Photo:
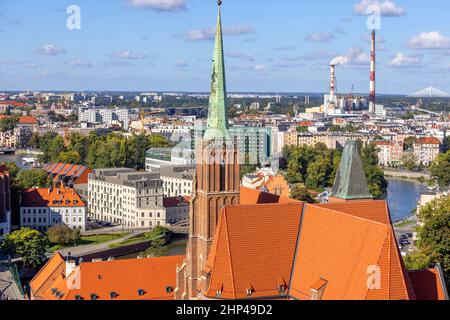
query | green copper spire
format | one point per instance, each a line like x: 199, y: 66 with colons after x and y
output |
x: 351, y: 182
x: 217, y: 126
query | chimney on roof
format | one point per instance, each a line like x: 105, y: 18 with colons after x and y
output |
x: 71, y: 265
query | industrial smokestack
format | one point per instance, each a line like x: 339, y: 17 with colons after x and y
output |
x: 332, y: 82
x: 372, y: 98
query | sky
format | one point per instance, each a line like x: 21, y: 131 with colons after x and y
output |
x: 270, y: 45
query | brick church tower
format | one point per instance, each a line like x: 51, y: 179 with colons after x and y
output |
x: 217, y: 180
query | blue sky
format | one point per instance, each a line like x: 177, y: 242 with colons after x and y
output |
x: 271, y: 45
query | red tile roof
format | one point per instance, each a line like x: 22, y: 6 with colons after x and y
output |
x: 46, y: 197
x: 428, y: 140
x: 155, y: 277
x: 24, y: 119
x: 341, y: 248
x: 428, y: 284
x: 253, y: 249
x: 173, y: 202
x: 46, y: 277
x: 252, y: 196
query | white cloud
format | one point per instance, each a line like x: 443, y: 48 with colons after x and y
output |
x: 388, y: 8
x: 241, y: 56
x: 402, y: 60
x: 355, y: 56
x: 321, y: 37
x: 209, y: 34
x: 81, y: 64
x: 285, y: 48
x: 429, y: 40
x: 256, y: 67
x: 181, y: 64
x: 158, y: 5
x: 128, y: 55
x: 50, y: 50
x: 368, y: 38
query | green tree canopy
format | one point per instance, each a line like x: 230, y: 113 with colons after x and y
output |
x: 434, y: 235
x: 27, y: 243
x: 300, y: 193
x: 8, y: 123
x: 440, y: 169
x: 63, y: 235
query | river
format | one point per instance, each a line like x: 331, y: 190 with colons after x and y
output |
x: 403, y: 196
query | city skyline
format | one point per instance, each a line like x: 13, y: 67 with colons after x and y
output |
x: 166, y: 46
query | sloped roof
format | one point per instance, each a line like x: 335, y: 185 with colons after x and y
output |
x: 253, y: 249
x: 351, y: 182
x: 428, y: 284
x: 124, y: 277
x: 49, y: 273
x: 341, y: 248
x: 57, y: 197
x: 250, y: 196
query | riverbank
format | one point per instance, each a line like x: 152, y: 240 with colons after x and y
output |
x: 407, y: 175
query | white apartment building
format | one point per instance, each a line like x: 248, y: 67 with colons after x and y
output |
x: 126, y: 197
x: 427, y: 150
x: 104, y: 116
x: 177, y: 180
x: 43, y: 208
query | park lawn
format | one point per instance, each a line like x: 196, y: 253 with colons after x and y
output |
x: 155, y: 234
x: 92, y: 240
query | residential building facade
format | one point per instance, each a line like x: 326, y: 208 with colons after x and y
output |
x: 42, y: 208
x: 5, y: 202
x: 127, y: 197
x: 427, y: 150
x: 177, y: 180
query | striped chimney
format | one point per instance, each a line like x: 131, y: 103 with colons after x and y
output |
x: 332, y: 81
x: 372, y: 99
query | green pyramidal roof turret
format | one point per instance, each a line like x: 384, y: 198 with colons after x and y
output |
x: 217, y: 127
x: 351, y: 182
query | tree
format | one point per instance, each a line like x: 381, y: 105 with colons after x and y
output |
x: 375, y: 176
x: 158, y: 248
x: 302, y: 129
x: 300, y: 193
x: 409, y: 160
x: 446, y: 145
x: 27, y: 243
x: 72, y: 157
x: 434, y: 232
x: 27, y: 179
x: 409, y: 143
x: 8, y: 123
x: 63, y: 235
x: 440, y: 169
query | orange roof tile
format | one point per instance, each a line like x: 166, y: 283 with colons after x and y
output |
x: 428, y: 140
x: 45, y: 278
x: 252, y: 196
x: 341, y: 248
x: 253, y: 249
x: 428, y: 284
x: 57, y: 197
x: 124, y: 277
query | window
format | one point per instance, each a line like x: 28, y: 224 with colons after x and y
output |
x: 223, y: 166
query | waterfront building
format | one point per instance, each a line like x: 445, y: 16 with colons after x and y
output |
x: 389, y: 153
x: 427, y: 150
x: 42, y: 208
x: 5, y: 202
x: 177, y: 209
x: 127, y: 197
x: 177, y: 180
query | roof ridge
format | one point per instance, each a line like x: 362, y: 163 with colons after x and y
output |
x: 349, y: 214
x: 57, y: 253
x: 379, y: 258
x: 229, y: 252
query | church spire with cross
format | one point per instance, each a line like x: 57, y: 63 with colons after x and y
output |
x: 217, y: 126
